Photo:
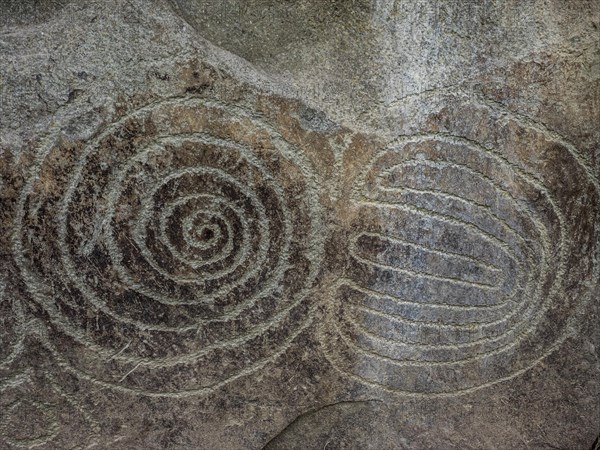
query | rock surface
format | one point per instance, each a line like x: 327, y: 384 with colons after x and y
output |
x: 304, y: 224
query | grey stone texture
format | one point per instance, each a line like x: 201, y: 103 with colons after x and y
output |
x: 299, y: 224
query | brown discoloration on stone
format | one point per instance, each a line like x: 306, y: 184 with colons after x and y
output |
x: 159, y: 170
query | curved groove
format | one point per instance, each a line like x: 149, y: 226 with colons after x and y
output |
x: 399, y: 342
x: 311, y: 244
x: 401, y: 241
x: 416, y: 273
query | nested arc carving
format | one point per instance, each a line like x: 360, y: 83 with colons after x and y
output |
x: 459, y: 259
x: 175, y: 250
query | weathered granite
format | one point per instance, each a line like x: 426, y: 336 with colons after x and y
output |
x: 307, y: 224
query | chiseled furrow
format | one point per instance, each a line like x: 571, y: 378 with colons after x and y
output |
x: 207, y: 234
x: 173, y: 235
x: 141, y: 236
x: 381, y: 338
x: 455, y: 260
x: 423, y: 260
x: 429, y: 324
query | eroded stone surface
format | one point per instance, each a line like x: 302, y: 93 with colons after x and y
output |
x: 201, y: 251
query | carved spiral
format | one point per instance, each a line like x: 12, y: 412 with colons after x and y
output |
x: 176, y: 248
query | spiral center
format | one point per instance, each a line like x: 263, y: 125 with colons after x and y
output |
x: 206, y: 234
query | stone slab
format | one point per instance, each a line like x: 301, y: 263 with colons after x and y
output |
x: 299, y: 224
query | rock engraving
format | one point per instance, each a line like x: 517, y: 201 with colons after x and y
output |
x: 461, y: 257
x: 184, y: 239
